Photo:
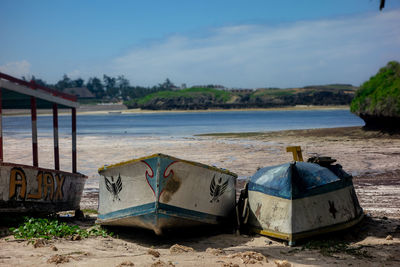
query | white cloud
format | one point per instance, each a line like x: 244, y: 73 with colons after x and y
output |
x: 16, y: 68
x: 345, y: 50
x: 74, y: 74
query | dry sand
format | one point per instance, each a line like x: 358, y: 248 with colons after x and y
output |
x: 372, y: 157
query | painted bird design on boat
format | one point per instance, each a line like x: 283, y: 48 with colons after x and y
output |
x: 114, y: 187
x: 217, y: 188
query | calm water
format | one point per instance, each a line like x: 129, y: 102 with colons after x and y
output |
x: 184, y: 124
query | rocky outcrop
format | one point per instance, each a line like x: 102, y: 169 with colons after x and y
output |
x: 377, y: 101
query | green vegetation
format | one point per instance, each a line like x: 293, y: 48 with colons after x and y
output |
x: 217, y: 95
x: 167, y: 96
x: 206, y: 97
x: 90, y: 211
x: 332, y: 87
x: 273, y: 92
x: 50, y: 228
x: 380, y: 96
x: 106, y: 89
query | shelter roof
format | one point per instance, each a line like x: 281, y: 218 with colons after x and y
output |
x: 16, y: 94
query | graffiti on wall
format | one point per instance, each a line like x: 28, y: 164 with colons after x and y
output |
x: 48, y: 186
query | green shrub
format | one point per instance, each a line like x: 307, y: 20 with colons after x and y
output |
x: 50, y: 228
x: 380, y: 95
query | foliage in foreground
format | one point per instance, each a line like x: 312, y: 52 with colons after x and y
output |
x: 50, y: 228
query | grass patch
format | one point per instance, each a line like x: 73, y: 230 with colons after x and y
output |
x: 330, y: 247
x: 89, y: 211
x: 218, y: 95
x: 273, y: 92
x: 52, y: 228
x: 233, y: 135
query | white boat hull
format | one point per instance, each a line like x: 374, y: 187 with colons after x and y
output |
x: 301, y: 218
x: 160, y: 192
x: 297, y: 200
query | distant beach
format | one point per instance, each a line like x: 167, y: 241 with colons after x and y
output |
x: 104, y: 109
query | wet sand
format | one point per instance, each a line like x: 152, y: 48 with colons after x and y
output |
x: 372, y: 157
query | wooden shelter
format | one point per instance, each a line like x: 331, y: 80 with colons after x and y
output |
x: 26, y: 188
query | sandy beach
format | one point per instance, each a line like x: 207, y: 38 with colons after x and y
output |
x: 372, y: 157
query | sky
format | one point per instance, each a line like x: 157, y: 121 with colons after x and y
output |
x: 235, y: 43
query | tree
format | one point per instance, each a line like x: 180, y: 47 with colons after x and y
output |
x: 64, y: 83
x: 96, y: 87
x: 39, y: 81
x: 78, y: 82
x: 110, y: 86
x: 124, y: 87
x: 167, y: 85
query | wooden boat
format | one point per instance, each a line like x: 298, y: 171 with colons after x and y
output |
x: 297, y: 200
x: 32, y: 189
x: 26, y: 188
x: 160, y: 192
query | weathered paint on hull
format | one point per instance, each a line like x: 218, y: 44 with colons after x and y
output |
x: 164, y: 217
x: 294, y: 219
x: 31, y: 189
x: 160, y: 192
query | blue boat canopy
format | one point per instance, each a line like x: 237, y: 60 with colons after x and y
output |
x: 297, y: 180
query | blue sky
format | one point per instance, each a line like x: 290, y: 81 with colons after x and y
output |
x: 247, y: 44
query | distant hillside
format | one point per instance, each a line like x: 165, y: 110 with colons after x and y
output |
x: 377, y: 101
x: 204, y: 98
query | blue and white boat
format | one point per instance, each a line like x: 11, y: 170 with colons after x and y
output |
x: 160, y: 192
x: 297, y: 200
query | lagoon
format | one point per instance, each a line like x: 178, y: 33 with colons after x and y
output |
x: 180, y: 124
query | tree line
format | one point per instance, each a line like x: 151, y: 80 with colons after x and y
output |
x: 106, y: 88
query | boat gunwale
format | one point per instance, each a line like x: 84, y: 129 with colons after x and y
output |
x: 78, y: 175
x: 194, y: 163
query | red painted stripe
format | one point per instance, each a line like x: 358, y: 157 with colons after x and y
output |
x: 55, y: 133
x: 148, y: 175
x: 35, y: 86
x: 171, y: 171
x: 34, y: 132
x: 74, y: 158
x: 1, y: 125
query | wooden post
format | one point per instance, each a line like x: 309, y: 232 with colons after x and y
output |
x: 55, y: 135
x: 296, y: 151
x: 1, y: 126
x: 34, y: 132
x: 73, y: 140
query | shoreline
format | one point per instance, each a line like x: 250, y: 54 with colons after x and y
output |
x: 107, y: 109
